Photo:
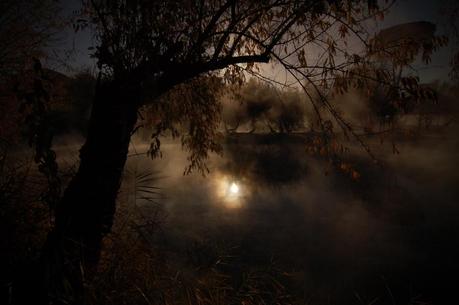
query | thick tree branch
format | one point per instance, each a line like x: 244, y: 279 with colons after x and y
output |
x: 179, y: 73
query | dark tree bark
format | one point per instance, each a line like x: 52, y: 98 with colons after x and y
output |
x: 85, y: 213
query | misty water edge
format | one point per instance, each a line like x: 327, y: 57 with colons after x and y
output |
x: 387, y: 236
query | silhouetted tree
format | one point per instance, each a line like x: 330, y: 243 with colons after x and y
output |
x: 175, y: 56
x: 27, y: 27
x: 449, y: 19
x: 261, y: 105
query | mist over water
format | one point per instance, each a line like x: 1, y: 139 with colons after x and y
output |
x: 393, y: 233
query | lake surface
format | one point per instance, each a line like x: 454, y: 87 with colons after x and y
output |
x: 389, y: 237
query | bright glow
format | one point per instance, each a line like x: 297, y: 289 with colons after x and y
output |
x: 234, y: 189
x: 230, y: 192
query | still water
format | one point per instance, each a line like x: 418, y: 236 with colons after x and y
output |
x: 390, y: 236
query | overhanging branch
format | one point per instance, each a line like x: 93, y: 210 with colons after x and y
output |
x: 180, y: 73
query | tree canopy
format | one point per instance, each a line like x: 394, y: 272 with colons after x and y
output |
x: 175, y: 58
x: 156, y: 45
x: 27, y: 27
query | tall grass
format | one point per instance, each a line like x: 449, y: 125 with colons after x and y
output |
x: 139, y: 266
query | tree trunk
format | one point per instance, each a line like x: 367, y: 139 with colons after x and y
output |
x: 87, y: 208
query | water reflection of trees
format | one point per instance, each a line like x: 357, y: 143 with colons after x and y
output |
x: 268, y: 159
